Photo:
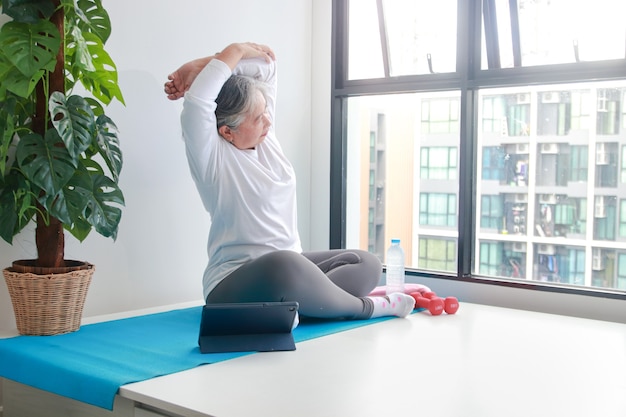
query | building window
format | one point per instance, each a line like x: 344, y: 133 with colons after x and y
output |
x: 621, y: 272
x: 438, y: 209
x: 605, y: 218
x: 606, y: 164
x: 579, y: 161
x: 438, y: 163
x: 570, y: 216
x: 491, y: 210
x: 493, y: 115
x: 609, y: 111
x: 604, y: 271
x: 491, y: 258
x: 575, y: 273
x: 554, y: 114
x: 518, y: 119
x: 437, y: 254
x: 622, y: 218
x: 581, y: 111
x: 494, y: 159
x: 623, y: 164
x: 440, y: 116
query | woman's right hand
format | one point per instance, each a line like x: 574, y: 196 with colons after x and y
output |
x: 180, y: 80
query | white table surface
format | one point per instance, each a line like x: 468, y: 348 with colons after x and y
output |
x: 484, y: 361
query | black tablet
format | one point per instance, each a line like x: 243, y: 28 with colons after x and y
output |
x: 244, y: 327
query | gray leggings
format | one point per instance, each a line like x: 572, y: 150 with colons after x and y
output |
x: 326, y: 284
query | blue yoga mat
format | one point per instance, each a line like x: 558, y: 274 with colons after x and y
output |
x: 91, y: 364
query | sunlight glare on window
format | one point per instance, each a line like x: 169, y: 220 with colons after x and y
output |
x: 562, y: 31
x: 419, y: 31
x: 420, y: 38
x: 365, y: 56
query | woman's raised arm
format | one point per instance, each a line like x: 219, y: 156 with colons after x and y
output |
x: 180, y: 80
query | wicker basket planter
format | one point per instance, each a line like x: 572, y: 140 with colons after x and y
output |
x: 47, y: 303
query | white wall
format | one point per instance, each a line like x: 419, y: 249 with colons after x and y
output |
x: 160, y: 254
x: 320, y: 128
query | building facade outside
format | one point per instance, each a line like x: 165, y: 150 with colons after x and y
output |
x: 550, y: 175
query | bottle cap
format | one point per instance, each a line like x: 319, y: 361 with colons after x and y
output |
x: 394, y: 240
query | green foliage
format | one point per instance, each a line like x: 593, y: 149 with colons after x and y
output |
x: 28, y: 11
x: 71, y: 169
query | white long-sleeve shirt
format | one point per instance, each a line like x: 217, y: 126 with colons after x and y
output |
x: 250, y: 194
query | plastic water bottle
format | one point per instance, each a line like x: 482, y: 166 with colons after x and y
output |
x: 395, y: 267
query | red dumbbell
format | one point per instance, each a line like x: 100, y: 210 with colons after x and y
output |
x: 450, y: 304
x: 434, y: 305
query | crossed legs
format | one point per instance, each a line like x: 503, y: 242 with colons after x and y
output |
x: 326, y: 284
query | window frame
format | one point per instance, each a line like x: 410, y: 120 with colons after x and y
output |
x: 469, y: 78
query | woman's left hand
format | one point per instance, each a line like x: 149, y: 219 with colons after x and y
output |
x: 235, y: 52
x: 255, y: 50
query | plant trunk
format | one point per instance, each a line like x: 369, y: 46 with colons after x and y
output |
x: 50, y: 241
x: 49, y: 236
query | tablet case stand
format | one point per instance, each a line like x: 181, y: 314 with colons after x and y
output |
x: 247, y: 327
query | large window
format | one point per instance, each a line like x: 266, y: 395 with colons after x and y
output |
x: 488, y: 135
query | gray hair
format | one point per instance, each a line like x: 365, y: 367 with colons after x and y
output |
x: 235, y: 100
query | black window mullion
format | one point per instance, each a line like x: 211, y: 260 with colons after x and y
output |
x: 550, y: 74
x: 404, y: 84
x: 467, y: 195
x: 338, y: 174
x: 339, y: 68
x: 468, y: 64
x: 492, y: 43
x: 339, y: 35
x: 384, y: 41
x: 515, y: 33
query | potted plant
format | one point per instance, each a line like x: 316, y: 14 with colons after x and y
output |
x: 60, y: 157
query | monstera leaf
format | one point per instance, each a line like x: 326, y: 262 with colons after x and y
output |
x: 44, y: 162
x: 102, y: 80
x: 102, y: 210
x: 28, y: 11
x: 89, y: 200
x: 31, y: 49
x: 17, y: 206
x: 109, y: 145
x: 74, y: 121
x: 92, y: 17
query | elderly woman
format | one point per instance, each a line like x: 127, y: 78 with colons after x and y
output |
x: 249, y: 188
